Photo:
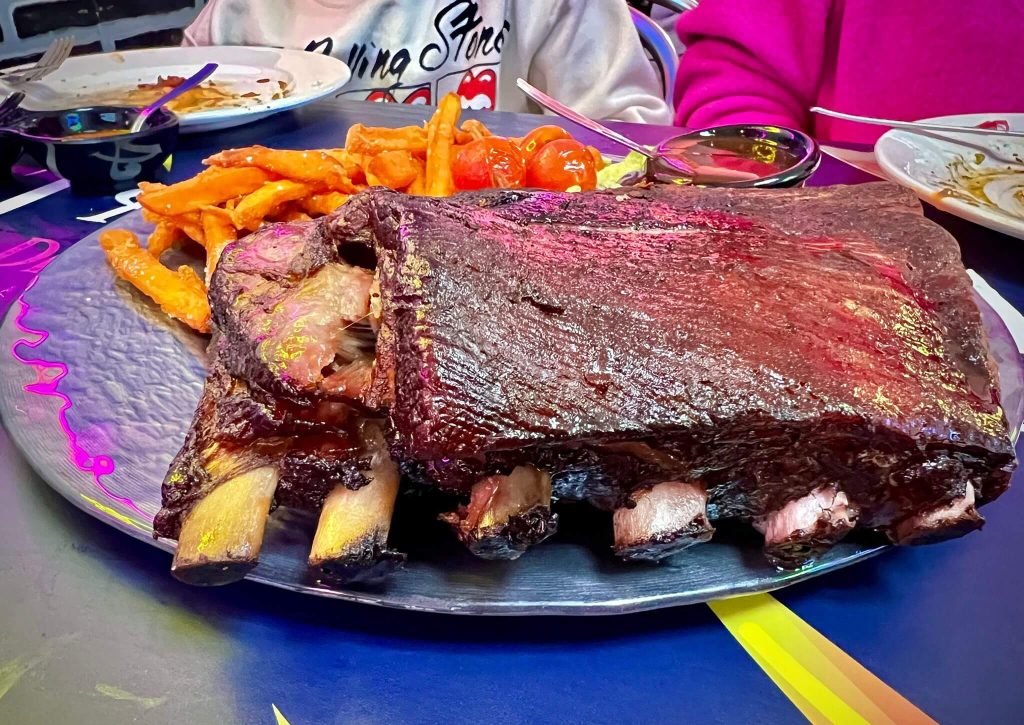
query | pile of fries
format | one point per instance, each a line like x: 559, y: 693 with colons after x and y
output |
x: 245, y: 188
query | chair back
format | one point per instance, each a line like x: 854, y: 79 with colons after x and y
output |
x: 659, y: 46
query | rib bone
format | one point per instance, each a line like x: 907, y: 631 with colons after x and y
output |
x: 946, y: 521
x: 665, y: 520
x: 506, y: 514
x: 351, y: 538
x: 220, y: 539
x: 807, y: 526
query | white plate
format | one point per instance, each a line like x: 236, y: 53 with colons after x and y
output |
x: 99, y: 79
x: 941, y: 171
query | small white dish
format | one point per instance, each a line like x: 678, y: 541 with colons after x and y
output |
x: 978, y: 178
x: 260, y: 81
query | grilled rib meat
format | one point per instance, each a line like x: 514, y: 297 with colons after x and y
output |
x: 808, y: 361
x: 294, y: 316
x: 764, y: 344
x: 238, y: 428
x: 299, y: 327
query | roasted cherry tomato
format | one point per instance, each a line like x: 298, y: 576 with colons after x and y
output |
x: 562, y: 164
x: 538, y: 137
x: 488, y: 163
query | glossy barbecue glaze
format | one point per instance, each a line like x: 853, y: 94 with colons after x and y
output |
x: 810, y: 359
x: 763, y: 343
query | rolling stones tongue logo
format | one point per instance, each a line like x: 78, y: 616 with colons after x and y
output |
x: 418, y: 96
x: 381, y: 97
x: 478, y: 90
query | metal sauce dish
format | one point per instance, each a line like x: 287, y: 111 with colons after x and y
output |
x: 94, y: 149
x: 746, y: 155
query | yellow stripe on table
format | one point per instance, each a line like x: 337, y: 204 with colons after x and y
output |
x: 825, y: 683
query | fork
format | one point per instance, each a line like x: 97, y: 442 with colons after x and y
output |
x: 918, y: 125
x: 54, y: 56
x: 58, y: 52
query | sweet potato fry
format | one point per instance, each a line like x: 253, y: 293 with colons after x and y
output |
x: 462, y: 137
x: 418, y: 187
x: 352, y: 162
x: 212, y: 186
x: 164, y: 236
x: 224, y: 212
x: 219, y: 231
x: 476, y: 130
x: 372, y: 141
x: 393, y: 169
x: 440, y: 138
x: 191, y: 224
x: 265, y: 201
x: 319, y: 169
x: 419, y: 183
x: 180, y: 293
x: 293, y: 212
x: 323, y: 204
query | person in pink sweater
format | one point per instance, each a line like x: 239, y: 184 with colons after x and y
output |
x: 769, y: 61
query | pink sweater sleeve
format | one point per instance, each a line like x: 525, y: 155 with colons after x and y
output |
x: 751, y: 61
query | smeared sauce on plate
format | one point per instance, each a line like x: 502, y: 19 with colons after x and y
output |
x: 997, y: 187
x: 208, y: 96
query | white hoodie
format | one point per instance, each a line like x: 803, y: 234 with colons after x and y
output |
x: 585, y: 53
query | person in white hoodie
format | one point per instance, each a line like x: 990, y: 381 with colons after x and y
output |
x: 585, y: 53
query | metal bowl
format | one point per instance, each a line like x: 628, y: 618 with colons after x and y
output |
x: 63, y: 141
x: 779, y: 157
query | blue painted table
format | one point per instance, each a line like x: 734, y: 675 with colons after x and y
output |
x: 94, y: 630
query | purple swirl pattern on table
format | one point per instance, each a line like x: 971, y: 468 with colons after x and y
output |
x: 49, y: 373
x: 20, y: 263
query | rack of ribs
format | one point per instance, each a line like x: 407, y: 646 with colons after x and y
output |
x: 808, y: 361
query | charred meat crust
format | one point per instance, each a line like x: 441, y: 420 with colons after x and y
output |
x: 536, y: 328
x: 544, y: 329
x: 371, y: 564
x: 238, y: 427
x: 719, y: 250
x: 662, y: 546
x: 506, y: 540
x: 315, y: 465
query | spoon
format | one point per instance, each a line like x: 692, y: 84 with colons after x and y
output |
x: 917, y: 125
x: 665, y: 167
x: 191, y: 82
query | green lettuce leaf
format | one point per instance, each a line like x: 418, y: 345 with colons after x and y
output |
x: 609, y: 176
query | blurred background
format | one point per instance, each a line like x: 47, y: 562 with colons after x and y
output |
x: 28, y: 26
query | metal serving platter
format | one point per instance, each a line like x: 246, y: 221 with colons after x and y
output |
x: 97, y: 388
